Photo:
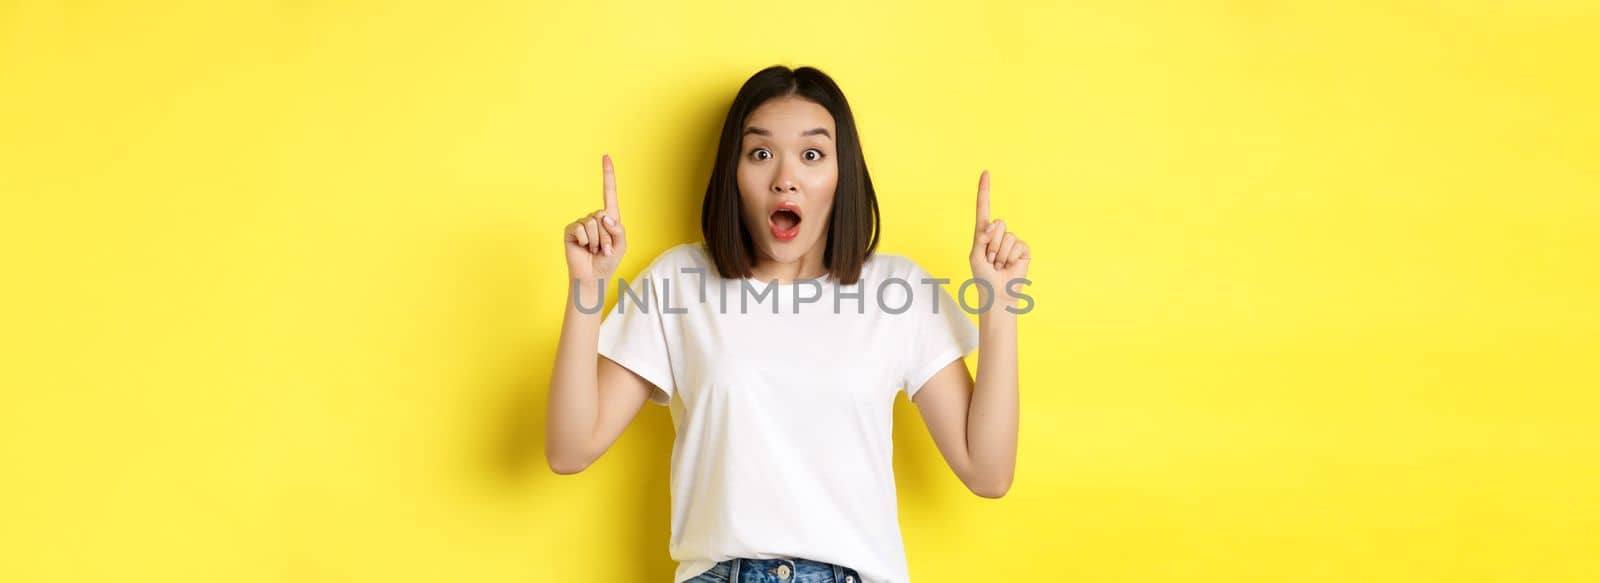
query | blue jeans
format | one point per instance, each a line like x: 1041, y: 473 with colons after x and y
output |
x: 776, y: 571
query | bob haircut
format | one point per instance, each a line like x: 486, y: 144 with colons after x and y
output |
x: 853, y: 224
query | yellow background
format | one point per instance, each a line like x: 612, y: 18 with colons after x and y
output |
x: 1316, y: 282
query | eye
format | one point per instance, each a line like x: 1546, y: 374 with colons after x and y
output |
x: 817, y: 157
x: 758, y: 152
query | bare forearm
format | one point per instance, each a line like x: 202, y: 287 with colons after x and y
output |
x: 999, y: 257
x: 574, y: 389
x: 992, y: 417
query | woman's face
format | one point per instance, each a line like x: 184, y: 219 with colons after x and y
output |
x: 787, y: 175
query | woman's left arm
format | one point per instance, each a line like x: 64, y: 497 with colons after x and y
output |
x: 974, y: 422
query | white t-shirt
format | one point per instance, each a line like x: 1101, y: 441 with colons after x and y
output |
x: 783, y: 420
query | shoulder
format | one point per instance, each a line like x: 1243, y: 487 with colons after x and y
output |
x: 677, y: 260
x: 683, y: 255
x: 882, y: 266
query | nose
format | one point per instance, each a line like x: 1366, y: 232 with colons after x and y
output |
x: 783, y: 181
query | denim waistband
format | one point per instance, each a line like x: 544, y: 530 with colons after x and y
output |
x: 742, y: 570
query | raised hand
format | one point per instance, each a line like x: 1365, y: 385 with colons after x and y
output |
x: 595, y: 242
x: 998, y: 256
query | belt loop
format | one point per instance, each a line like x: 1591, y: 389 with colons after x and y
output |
x: 838, y: 574
x: 733, y: 573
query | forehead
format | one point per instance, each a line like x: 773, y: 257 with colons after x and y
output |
x: 789, y: 115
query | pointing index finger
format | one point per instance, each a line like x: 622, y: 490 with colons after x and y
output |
x: 611, y: 189
x: 983, y: 200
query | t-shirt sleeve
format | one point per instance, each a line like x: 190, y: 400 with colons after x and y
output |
x: 636, y: 338
x: 938, y: 338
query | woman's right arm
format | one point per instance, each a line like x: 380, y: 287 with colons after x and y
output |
x: 592, y: 399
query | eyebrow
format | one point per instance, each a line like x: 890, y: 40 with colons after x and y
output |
x: 811, y: 132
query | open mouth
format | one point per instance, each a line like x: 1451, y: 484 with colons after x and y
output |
x: 785, y: 221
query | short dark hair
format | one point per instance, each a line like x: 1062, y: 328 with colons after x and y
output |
x: 853, y: 229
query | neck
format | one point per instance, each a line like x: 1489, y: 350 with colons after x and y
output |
x: 807, y: 266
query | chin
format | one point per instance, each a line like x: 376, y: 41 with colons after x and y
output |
x: 782, y: 255
x: 789, y: 251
